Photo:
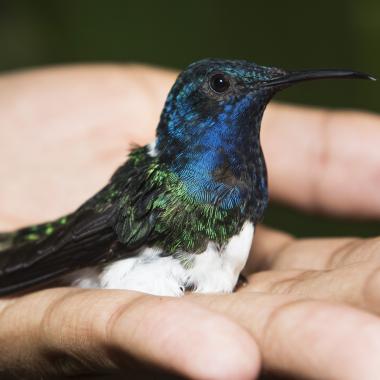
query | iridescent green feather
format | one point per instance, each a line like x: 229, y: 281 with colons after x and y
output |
x: 31, y: 233
x: 158, y: 203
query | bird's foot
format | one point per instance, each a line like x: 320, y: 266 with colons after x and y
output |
x: 241, y: 282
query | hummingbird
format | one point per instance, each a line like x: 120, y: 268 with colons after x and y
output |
x: 179, y: 215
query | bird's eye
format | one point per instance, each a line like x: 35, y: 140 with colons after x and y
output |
x: 219, y: 83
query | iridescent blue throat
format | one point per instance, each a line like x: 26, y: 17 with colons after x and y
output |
x: 217, y: 157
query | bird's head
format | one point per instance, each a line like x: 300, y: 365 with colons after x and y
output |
x: 216, y: 98
x: 212, y: 115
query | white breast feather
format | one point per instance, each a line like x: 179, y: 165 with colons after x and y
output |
x: 213, y: 271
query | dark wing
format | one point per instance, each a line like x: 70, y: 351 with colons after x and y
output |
x: 86, y: 240
x: 111, y: 225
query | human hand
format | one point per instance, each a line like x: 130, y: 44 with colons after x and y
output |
x: 284, y: 313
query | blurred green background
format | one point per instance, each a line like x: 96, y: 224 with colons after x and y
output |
x: 289, y: 34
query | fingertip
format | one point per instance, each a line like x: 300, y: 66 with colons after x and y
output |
x: 232, y: 357
x: 225, y: 350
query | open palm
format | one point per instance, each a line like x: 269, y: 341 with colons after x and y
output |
x: 311, y: 306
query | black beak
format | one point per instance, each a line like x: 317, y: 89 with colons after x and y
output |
x: 294, y: 77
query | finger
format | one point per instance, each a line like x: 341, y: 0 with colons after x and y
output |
x: 68, y: 331
x: 273, y: 250
x: 323, y: 160
x: 306, y: 339
x: 355, y: 284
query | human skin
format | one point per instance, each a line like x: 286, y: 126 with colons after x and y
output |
x: 310, y: 309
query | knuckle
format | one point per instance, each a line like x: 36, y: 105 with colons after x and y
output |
x: 63, y: 337
x: 140, y: 314
x: 288, y: 311
x: 110, y: 322
x: 52, y: 318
